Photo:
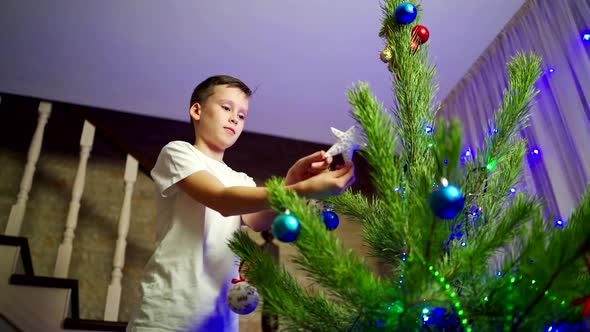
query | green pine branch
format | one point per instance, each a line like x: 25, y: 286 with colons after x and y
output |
x: 563, y: 248
x: 540, y: 267
x: 378, y: 231
x: 282, y: 294
x: 323, y: 257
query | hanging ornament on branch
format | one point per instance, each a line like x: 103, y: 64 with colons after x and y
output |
x: 330, y: 218
x: 420, y: 34
x: 406, y: 13
x: 386, y: 55
x: 447, y: 200
x: 415, y: 46
x: 286, y: 227
x: 243, y: 298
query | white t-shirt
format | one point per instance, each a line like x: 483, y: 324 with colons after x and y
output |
x: 187, y: 279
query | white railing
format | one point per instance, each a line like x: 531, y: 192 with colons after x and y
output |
x: 111, y: 310
x: 64, y: 253
x: 17, y: 212
x: 65, y: 250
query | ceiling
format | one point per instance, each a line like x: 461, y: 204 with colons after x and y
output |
x: 145, y: 57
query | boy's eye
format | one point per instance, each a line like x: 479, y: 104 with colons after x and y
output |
x: 242, y: 116
x: 226, y: 108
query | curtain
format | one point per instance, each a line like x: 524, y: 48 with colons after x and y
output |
x: 558, y: 170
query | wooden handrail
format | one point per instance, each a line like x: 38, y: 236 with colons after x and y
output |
x: 103, y: 129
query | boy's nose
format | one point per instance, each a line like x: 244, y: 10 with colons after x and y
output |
x: 233, y: 120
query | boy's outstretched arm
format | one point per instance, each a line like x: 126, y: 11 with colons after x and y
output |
x: 302, y: 169
x: 207, y: 189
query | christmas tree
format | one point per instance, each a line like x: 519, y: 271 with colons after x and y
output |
x: 462, y: 252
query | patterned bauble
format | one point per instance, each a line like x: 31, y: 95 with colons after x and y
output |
x: 243, y: 298
x: 330, y: 219
x: 406, y: 13
x: 420, y: 34
x: 447, y: 201
x: 286, y: 227
x: 386, y: 55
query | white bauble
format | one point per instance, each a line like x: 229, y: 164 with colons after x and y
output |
x: 243, y: 298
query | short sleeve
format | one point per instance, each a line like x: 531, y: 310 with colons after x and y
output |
x: 176, y: 161
x: 248, y: 181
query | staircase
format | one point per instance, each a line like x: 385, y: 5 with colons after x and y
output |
x: 52, y: 304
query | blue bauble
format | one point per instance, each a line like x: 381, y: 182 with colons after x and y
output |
x: 330, y: 219
x: 566, y: 327
x: 446, y: 202
x: 406, y: 13
x: 441, y: 319
x: 286, y: 228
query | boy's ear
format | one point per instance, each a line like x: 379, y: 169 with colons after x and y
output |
x: 195, y: 112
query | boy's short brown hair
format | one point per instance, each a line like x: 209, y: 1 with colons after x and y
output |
x: 205, y: 89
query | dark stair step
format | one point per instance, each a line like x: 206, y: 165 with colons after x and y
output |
x: 27, y: 280
x: 93, y: 325
x: 25, y: 252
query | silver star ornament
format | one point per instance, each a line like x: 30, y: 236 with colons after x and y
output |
x: 347, y: 142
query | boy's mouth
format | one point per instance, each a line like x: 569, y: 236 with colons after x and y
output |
x: 230, y: 129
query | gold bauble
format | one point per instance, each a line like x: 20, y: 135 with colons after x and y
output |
x: 386, y: 55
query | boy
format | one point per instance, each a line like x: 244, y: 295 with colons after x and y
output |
x: 202, y: 202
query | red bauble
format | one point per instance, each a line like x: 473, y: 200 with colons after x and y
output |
x: 415, y: 46
x: 420, y: 33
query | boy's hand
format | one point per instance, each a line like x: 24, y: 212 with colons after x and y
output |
x: 327, y: 183
x: 307, y: 167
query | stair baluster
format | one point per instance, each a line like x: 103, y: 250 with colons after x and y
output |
x: 111, y: 310
x: 64, y: 253
x: 17, y: 212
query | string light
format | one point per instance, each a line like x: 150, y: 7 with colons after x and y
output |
x: 453, y: 295
x: 491, y: 165
x: 559, y: 223
x: 586, y: 36
x: 405, y: 252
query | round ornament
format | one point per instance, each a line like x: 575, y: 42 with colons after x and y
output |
x: 406, y: 13
x: 415, y: 46
x: 330, y: 219
x: 386, y: 55
x: 243, y: 298
x: 447, y: 201
x: 286, y: 227
x: 420, y: 34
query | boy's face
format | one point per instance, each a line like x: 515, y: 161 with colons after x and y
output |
x: 221, y: 118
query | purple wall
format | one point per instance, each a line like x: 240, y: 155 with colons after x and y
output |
x: 146, y: 56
